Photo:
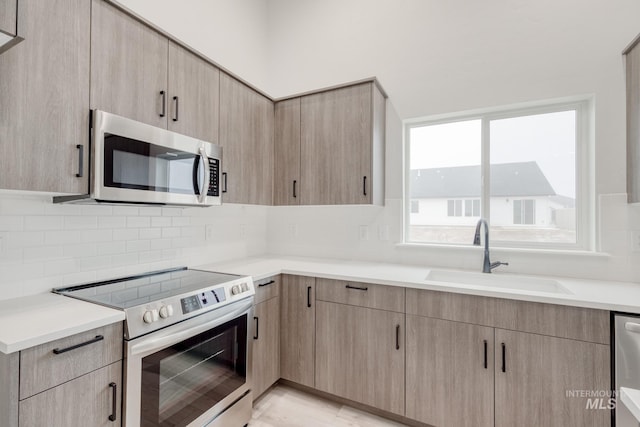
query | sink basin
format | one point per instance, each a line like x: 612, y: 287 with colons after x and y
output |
x: 494, y: 280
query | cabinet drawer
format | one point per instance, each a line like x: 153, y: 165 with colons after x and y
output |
x: 361, y: 294
x: 266, y: 289
x: 41, y: 368
x: 561, y: 321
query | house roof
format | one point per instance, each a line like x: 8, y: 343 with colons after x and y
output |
x: 507, y: 179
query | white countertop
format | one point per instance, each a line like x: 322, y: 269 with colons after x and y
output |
x: 29, y: 321
x: 615, y: 296
x: 631, y: 399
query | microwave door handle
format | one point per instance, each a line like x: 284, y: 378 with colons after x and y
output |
x: 207, y: 176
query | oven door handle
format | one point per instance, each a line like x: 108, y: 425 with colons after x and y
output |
x: 180, y: 332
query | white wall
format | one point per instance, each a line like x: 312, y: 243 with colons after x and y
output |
x: 230, y: 32
x: 43, y: 245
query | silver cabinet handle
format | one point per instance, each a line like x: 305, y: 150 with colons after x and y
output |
x: 632, y: 327
x: 207, y: 176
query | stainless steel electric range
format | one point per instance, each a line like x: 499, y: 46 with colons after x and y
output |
x: 187, y: 346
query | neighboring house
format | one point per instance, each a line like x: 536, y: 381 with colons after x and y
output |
x: 520, y: 195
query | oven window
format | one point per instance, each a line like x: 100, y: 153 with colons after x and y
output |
x: 143, y: 166
x: 182, y: 382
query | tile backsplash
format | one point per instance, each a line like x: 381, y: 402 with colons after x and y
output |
x: 43, y: 245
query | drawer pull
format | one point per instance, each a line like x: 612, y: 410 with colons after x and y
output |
x: 270, y: 282
x: 504, y: 358
x: 80, y: 173
x: 114, y: 401
x: 176, y: 101
x: 357, y: 288
x: 295, y: 195
x: 308, y: 296
x: 397, y: 337
x: 163, y: 100
x: 73, y: 347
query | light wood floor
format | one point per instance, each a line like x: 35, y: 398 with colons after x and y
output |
x: 284, y: 406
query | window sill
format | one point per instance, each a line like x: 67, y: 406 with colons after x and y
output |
x: 498, y: 249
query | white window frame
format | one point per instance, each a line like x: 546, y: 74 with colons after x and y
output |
x: 585, y: 156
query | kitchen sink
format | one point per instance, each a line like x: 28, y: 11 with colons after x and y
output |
x: 494, y: 280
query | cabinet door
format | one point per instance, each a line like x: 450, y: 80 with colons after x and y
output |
x: 297, y: 333
x: 246, y: 135
x: 44, y: 99
x: 128, y: 66
x: 8, y: 14
x: 84, y: 401
x: 360, y: 355
x: 286, y: 175
x: 633, y: 123
x: 194, y: 95
x: 266, y: 346
x: 336, y: 143
x: 449, y: 373
x: 535, y: 379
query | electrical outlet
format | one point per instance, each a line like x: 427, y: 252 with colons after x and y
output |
x: 635, y: 241
x: 364, y: 232
x: 383, y: 233
x: 208, y: 232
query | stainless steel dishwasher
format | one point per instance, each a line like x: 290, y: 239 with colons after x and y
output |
x: 627, y: 370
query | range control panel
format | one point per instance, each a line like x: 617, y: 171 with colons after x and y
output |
x: 162, y: 313
x: 214, y: 177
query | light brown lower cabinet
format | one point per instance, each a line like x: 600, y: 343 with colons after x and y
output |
x: 84, y: 401
x: 360, y: 355
x: 298, y: 333
x: 266, y: 345
x: 535, y: 380
x: 449, y: 373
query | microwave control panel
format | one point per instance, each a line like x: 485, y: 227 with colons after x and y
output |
x: 214, y: 174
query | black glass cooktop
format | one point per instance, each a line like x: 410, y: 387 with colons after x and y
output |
x: 137, y: 290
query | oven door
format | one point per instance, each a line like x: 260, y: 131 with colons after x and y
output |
x: 137, y: 163
x: 190, y: 373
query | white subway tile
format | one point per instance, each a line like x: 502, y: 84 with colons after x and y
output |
x: 138, y: 222
x: 13, y: 256
x: 125, y: 259
x: 150, y: 233
x: 180, y: 221
x: 151, y: 211
x: 38, y: 222
x: 80, y: 250
x: 78, y: 278
x: 138, y: 245
x: 111, y: 248
x: 41, y: 285
x: 160, y: 221
x: 125, y: 210
x: 99, y: 210
x: 169, y: 232
x: 11, y: 223
x: 150, y: 256
x: 60, y: 267
x: 160, y: 244
x: 97, y: 236
x: 80, y: 222
x: 20, y: 206
x: 62, y: 237
x: 126, y: 234
x: 195, y: 232
x: 42, y: 253
x: 94, y: 263
x: 23, y: 239
x: 112, y: 221
x: 172, y: 211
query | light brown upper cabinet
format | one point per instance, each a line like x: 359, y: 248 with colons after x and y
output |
x: 342, y: 146
x: 140, y: 74
x: 286, y: 173
x: 246, y: 136
x: 44, y: 99
x: 632, y: 56
x: 9, y: 17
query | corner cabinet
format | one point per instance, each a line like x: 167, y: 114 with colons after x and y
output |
x: 632, y: 60
x: 44, y: 98
x: 340, y: 135
x: 246, y: 137
x: 140, y: 74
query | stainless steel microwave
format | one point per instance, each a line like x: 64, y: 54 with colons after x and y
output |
x: 135, y: 163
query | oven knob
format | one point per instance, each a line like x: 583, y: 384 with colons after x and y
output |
x: 245, y: 287
x: 166, y: 311
x: 235, y: 290
x: 147, y: 317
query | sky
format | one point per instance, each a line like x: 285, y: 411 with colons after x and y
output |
x: 549, y: 139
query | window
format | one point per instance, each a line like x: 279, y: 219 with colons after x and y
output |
x: 518, y: 168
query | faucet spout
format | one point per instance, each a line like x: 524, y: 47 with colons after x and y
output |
x: 487, y: 266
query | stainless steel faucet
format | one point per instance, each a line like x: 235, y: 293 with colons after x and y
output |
x: 487, y: 265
